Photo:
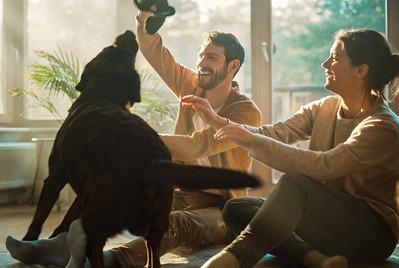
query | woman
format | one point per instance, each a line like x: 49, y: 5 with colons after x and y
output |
x: 335, y: 202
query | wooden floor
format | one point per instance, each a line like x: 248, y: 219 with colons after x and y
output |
x: 14, y: 220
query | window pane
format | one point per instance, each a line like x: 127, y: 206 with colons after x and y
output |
x: 82, y: 27
x: 2, y: 90
x: 302, y: 35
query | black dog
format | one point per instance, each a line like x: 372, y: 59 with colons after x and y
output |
x: 115, y: 162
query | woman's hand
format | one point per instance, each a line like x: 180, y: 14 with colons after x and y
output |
x: 204, y: 110
x: 237, y: 133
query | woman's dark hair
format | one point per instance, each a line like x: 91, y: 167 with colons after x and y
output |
x: 232, y: 47
x: 369, y: 47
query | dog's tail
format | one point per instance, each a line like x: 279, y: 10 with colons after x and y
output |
x: 199, y: 177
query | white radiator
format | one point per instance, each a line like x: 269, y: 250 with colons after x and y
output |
x: 17, y: 164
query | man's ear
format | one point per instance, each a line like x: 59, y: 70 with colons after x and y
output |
x: 362, y: 71
x: 234, y: 65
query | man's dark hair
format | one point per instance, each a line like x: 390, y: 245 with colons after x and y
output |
x: 232, y: 47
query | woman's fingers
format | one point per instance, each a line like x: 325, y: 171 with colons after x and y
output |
x: 237, y: 133
x: 223, y: 133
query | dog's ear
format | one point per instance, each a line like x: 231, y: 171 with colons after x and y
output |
x: 92, y: 68
x: 134, y: 86
x: 121, y: 87
x: 124, y: 43
x: 84, y: 79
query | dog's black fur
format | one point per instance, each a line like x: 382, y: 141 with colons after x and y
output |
x: 116, y: 163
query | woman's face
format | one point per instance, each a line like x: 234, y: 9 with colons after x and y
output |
x: 341, y: 74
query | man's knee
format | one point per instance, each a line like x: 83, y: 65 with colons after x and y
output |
x: 191, y: 220
x: 198, y: 227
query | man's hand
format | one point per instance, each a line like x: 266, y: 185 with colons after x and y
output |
x: 204, y: 110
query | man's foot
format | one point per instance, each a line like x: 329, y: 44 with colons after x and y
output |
x: 76, y: 241
x: 52, y: 251
x: 315, y: 259
x: 223, y: 259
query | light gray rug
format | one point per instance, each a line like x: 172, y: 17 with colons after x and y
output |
x: 193, y: 258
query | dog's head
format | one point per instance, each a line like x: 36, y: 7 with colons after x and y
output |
x: 111, y: 74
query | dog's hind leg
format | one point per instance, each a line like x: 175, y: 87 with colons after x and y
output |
x: 154, y: 237
x: 153, y: 258
x: 150, y: 255
x: 53, y: 185
x: 73, y: 213
x: 96, y: 239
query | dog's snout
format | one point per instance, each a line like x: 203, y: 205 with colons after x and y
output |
x: 126, y: 40
x: 129, y: 33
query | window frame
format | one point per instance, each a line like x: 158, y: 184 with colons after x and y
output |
x: 15, y: 48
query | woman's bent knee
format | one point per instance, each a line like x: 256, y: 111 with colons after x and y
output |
x: 238, y: 212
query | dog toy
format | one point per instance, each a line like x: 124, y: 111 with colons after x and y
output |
x: 160, y: 9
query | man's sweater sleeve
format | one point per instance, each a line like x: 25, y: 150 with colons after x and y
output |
x: 176, y: 76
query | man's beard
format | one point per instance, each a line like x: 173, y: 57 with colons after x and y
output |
x: 215, y: 79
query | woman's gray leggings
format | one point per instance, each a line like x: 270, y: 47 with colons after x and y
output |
x: 301, y: 215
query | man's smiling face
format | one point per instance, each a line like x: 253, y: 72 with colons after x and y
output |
x: 211, y: 66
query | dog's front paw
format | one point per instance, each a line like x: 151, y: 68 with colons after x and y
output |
x: 31, y: 235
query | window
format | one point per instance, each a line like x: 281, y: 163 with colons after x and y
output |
x: 80, y: 27
x: 2, y: 91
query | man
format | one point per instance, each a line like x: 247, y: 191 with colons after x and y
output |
x: 196, y: 219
